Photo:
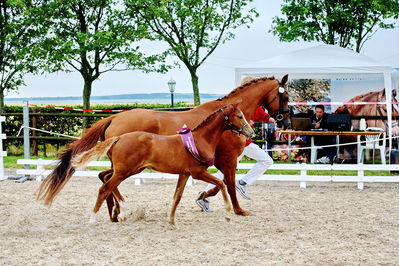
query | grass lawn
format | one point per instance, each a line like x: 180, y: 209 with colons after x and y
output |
x: 11, y: 162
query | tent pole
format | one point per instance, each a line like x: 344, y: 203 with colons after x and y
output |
x: 237, y: 77
x: 388, y: 95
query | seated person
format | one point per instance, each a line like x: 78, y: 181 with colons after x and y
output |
x: 319, y: 121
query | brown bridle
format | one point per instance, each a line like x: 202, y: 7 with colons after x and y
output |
x: 280, y: 94
x: 234, y: 128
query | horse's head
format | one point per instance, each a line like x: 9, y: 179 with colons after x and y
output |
x: 276, y: 102
x: 236, y: 121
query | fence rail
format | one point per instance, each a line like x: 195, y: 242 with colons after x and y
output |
x: 40, y: 172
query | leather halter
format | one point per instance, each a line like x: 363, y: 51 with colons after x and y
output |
x: 282, y: 110
x: 233, y: 128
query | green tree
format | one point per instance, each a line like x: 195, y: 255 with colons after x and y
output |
x: 302, y: 90
x: 347, y: 23
x: 17, y: 34
x: 192, y: 28
x: 92, y: 37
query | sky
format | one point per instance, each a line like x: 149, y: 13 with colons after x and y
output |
x: 216, y: 75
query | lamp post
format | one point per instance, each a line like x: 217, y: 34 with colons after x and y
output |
x: 172, y: 85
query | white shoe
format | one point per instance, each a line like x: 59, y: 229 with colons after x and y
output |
x: 323, y: 160
x: 203, y: 203
x: 242, y: 189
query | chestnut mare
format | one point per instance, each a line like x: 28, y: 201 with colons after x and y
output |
x: 258, y: 92
x: 133, y: 152
x: 370, y: 109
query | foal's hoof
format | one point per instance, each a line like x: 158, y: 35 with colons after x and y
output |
x: 93, y: 219
x: 115, y: 214
x: 172, y: 226
x: 121, y: 217
x: 242, y: 212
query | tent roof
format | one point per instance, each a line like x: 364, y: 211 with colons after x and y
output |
x: 324, y: 61
x: 318, y: 59
x: 392, y: 60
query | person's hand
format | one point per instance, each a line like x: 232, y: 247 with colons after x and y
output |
x: 251, y: 123
x: 272, y: 120
x: 317, y: 125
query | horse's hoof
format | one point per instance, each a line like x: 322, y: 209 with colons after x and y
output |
x: 121, y: 218
x: 115, y: 213
x: 242, y: 212
x: 172, y: 226
x: 228, y: 219
x: 93, y: 219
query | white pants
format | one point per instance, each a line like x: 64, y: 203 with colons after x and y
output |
x: 263, y: 161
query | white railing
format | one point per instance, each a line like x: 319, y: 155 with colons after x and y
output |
x: 40, y: 172
x: 2, y: 153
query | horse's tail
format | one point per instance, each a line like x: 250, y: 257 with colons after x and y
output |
x: 61, y: 174
x: 99, y: 150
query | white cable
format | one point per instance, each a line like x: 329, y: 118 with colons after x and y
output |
x: 331, y: 145
x: 286, y: 149
x: 45, y: 131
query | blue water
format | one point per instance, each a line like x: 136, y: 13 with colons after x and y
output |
x: 126, y: 99
x: 101, y: 101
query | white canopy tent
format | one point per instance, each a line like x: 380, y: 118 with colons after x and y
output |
x: 324, y: 62
x: 393, y: 61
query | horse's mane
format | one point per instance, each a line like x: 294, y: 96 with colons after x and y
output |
x: 359, y: 98
x: 243, y: 86
x: 206, y: 120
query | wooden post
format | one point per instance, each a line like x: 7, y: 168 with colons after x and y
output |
x: 26, y: 140
x: 302, y: 184
x: 35, y: 147
x: 360, y: 174
x: 2, y: 153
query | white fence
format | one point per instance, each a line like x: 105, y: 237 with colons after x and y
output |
x: 2, y: 153
x: 40, y: 172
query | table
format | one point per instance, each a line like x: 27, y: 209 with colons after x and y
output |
x: 313, y: 133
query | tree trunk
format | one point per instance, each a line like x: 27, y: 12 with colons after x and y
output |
x: 358, y: 45
x: 86, y: 98
x: 1, y: 100
x: 194, y: 82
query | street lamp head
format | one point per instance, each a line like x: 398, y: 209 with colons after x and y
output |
x: 172, y: 85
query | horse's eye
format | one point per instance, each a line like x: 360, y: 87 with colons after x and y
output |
x: 240, y: 117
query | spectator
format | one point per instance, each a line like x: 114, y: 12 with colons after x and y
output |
x: 319, y: 121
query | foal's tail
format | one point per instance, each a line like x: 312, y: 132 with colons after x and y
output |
x: 99, y: 150
x: 61, y: 174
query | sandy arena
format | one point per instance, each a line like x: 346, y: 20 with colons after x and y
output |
x: 325, y: 224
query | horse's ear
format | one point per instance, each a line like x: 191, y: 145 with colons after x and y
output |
x: 383, y: 92
x: 393, y: 92
x: 284, y: 80
x: 235, y: 103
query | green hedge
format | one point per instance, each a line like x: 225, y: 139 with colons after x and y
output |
x: 63, y: 121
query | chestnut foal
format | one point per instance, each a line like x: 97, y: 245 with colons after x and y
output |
x: 133, y: 152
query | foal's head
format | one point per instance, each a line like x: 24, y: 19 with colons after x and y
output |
x: 236, y: 121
